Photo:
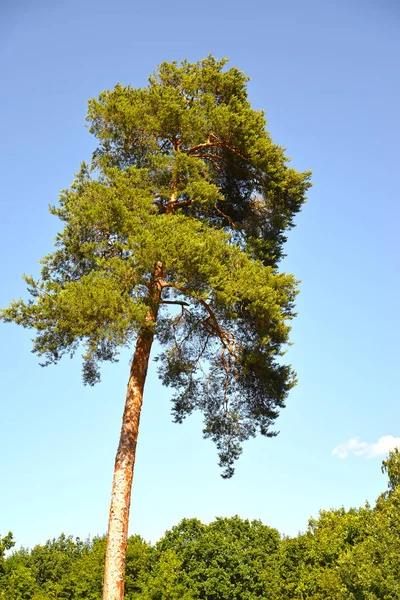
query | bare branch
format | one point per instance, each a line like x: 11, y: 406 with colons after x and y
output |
x: 226, y: 339
x: 178, y: 302
x: 231, y: 221
x: 201, y: 146
x: 183, y: 203
x: 214, y: 142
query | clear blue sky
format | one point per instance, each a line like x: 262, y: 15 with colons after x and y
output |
x: 327, y: 74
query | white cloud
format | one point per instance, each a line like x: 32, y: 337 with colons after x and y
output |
x: 365, y: 449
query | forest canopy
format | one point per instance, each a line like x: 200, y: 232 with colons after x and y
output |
x: 344, y: 555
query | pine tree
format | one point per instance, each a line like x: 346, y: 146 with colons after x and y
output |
x: 175, y: 231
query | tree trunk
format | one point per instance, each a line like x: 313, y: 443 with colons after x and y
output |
x: 114, y: 573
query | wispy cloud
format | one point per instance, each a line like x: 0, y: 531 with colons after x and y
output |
x: 367, y: 450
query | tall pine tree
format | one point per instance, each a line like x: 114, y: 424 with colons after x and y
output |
x: 175, y: 231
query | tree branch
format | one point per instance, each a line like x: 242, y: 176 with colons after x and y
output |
x: 216, y: 144
x: 183, y: 203
x: 231, y: 221
x: 226, y: 339
x: 205, y: 146
x: 178, y: 302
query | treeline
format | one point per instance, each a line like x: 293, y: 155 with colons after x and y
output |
x: 352, y: 554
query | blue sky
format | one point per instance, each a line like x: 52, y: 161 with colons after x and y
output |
x: 327, y: 75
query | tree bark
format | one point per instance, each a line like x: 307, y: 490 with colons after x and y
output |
x: 114, y: 573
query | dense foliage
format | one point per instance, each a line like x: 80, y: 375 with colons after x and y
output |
x: 177, y: 227
x: 344, y: 555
